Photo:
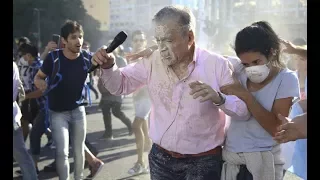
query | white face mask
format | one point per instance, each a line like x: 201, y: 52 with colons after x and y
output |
x: 257, y: 74
x: 23, y: 61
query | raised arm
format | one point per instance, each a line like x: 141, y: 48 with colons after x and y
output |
x: 120, y: 81
x: 50, y: 47
x: 293, y: 49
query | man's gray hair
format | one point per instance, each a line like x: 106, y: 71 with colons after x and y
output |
x: 181, y: 14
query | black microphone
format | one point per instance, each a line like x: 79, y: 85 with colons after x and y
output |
x: 117, y: 41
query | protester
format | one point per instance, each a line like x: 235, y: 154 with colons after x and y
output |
x: 183, y: 81
x: 268, y: 89
x: 86, y: 46
x: 66, y: 98
x: 30, y: 54
x: 112, y: 103
x: 28, y: 107
x: 20, y: 152
x: 294, y: 131
x: 142, y: 105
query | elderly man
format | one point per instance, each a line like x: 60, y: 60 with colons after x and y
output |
x: 183, y: 81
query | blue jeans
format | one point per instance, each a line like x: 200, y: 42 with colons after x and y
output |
x: 21, y: 155
x: 38, y: 129
x: 61, y: 122
x: 165, y: 167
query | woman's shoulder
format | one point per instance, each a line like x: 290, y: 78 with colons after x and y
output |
x: 289, y: 75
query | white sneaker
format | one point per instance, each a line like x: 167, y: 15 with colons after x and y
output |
x: 138, y: 169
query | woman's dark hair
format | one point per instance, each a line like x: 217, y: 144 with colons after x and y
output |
x: 259, y: 37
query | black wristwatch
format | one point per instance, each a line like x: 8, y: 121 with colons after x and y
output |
x: 223, y: 99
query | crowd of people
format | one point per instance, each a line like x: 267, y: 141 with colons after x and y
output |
x: 199, y: 114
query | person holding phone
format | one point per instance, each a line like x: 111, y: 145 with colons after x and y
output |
x: 51, y: 46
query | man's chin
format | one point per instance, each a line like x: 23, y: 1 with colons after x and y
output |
x: 76, y: 51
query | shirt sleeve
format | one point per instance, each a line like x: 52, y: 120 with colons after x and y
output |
x: 123, y: 81
x: 289, y: 86
x: 233, y: 106
x: 47, y: 65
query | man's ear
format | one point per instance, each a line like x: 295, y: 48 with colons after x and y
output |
x: 190, y: 38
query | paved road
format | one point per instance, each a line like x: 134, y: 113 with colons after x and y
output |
x: 119, y: 154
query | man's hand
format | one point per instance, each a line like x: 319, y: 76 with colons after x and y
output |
x: 51, y: 46
x: 40, y: 84
x: 205, y: 91
x: 102, y: 58
x: 291, y: 130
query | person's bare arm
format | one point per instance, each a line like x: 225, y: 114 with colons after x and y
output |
x: 50, y: 47
x: 39, y: 81
x: 34, y: 94
x: 293, y: 49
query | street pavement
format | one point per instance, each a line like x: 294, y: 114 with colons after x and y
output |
x: 119, y: 154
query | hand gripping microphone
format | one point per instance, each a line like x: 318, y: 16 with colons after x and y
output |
x: 117, y: 41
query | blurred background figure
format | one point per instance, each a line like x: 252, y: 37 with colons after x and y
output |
x: 91, y: 79
x: 142, y: 105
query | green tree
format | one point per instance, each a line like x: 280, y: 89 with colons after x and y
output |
x: 53, y: 13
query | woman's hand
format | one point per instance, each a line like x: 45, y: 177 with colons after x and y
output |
x: 235, y: 89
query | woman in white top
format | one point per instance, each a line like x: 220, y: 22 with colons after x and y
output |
x: 268, y: 89
x: 142, y: 105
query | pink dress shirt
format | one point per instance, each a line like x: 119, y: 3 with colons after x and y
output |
x: 178, y: 122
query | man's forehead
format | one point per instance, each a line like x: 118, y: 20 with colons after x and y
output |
x: 165, y: 31
x: 77, y: 33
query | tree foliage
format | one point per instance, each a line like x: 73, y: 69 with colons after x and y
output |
x: 53, y: 13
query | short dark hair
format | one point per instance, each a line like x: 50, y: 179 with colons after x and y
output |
x: 70, y: 27
x: 28, y: 48
x: 299, y: 42
x: 259, y: 37
x: 137, y: 32
x: 23, y: 40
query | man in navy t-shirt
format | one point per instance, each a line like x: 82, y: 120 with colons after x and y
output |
x: 65, y: 94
